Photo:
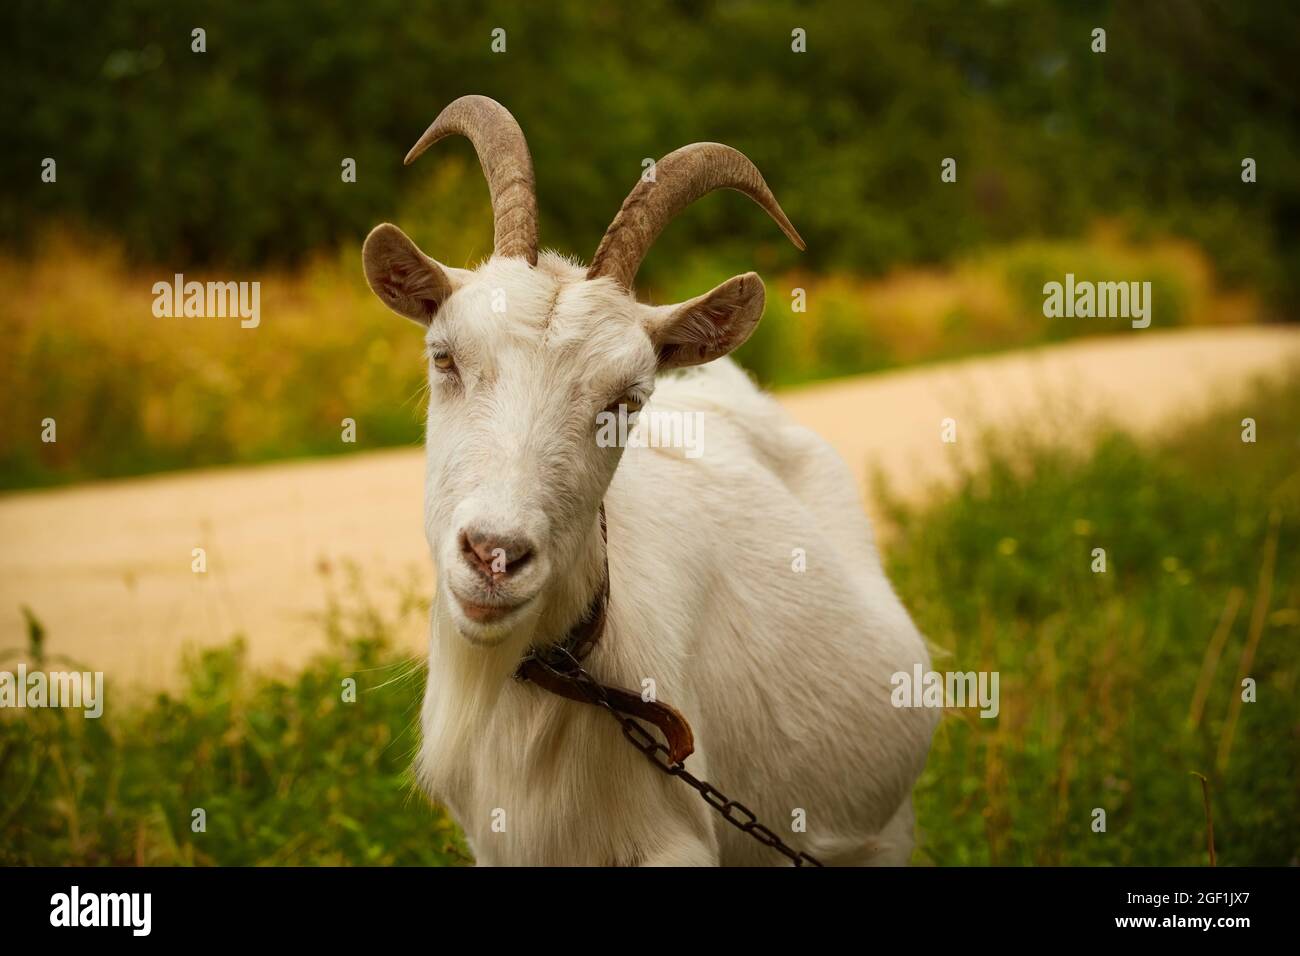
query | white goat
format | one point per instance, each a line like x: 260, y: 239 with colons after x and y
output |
x: 784, y: 674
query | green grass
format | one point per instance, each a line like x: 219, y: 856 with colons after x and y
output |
x: 287, y: 772
x: 1099, y: 677
x: 1099, y: 672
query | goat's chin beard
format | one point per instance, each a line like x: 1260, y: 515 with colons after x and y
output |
x: 467, y: 674
x: 475, y: 662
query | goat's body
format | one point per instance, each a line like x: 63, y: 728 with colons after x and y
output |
x: 784, y: 674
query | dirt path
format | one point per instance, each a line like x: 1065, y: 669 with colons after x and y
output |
x: 107, y: 566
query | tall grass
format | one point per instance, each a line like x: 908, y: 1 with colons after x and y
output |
x: 130, y: 393
x: 1118, y: 687
x: 286, y: 770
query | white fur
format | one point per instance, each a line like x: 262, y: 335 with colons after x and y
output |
x: 784, y: 676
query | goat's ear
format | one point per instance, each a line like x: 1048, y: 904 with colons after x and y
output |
x: 708, y: 326
x: 404, y: 278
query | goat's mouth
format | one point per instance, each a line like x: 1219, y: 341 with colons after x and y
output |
x: 486, y: 613
x: 489, y: 611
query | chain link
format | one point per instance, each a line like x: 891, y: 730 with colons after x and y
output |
x: 559, y: 660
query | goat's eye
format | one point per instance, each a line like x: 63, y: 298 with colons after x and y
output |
x: 629, y: 404
x: 443, y: 361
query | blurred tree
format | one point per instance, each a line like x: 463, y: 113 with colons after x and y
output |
x: 233, y: 155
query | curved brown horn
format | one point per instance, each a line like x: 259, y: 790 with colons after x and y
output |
x: 681, y: 177
x: 507, y: 164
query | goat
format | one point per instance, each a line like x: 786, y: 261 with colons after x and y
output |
x: 784, y: 671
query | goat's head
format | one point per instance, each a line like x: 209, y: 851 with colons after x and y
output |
x: 525, y: 351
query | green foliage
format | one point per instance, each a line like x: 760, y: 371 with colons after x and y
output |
x: 1099, y: 671
x: 233, y: 155
x: 286, y: 771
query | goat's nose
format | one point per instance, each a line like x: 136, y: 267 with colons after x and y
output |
x: 494, y: 554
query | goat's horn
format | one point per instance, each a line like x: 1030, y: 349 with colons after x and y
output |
x: 681, y: 177
x: 507, y: 164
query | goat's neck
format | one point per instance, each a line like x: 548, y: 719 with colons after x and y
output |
x: 573, y: 589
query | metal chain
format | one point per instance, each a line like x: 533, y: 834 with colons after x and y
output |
x: 734, y: 812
